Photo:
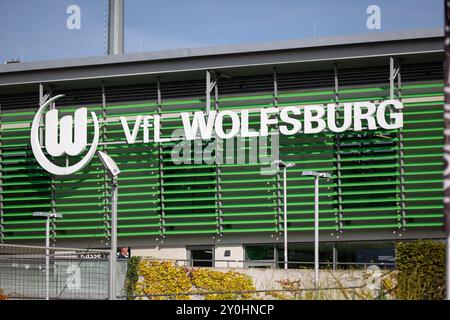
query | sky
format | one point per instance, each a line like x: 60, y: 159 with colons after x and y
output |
x: 34, y: 30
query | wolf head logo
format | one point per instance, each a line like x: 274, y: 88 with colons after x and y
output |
x: 71, y: 139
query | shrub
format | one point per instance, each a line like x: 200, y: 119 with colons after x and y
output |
x: 209, y: 280
x: 421, y: 270
x: 3, y: 295
x: 132, y: 276
x: 153, y: 277
x: 159, y: 277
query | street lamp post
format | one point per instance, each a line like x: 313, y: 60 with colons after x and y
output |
x: 317, y: 176
x: 284, y: 166
x: 113, y: 171
x: 47, y: 215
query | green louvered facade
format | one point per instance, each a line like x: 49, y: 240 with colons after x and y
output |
x: 381, y: 180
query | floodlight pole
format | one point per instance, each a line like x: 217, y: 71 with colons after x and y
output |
x: 47, y: 258
x: 316, y: 231
x: 282, y: 165
x: 113, y: 171
x: 285, y: 225
x: 47, y: 216
x: 317, y: 176
x: 112, y: 256
x: 115, y: 27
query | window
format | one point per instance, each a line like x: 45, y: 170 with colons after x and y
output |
x: 366, y: 252
x: 302, y: 254
x: 201, y: 256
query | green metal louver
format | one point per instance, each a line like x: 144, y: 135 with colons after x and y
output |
x: 158, y: 197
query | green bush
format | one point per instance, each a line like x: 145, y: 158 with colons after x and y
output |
x: 421, y: 270
x: 132, y: 276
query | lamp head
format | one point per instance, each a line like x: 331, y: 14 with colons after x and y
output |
x: 47, y: 214
x: 316, y: 174
x: 109, y: 164
x: 281, y: 164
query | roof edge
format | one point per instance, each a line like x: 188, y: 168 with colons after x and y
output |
x: 223, y: 50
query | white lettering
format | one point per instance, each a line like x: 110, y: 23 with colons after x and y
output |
x: 131, y: 137
x: 296, y: 124
x: 317, y: 118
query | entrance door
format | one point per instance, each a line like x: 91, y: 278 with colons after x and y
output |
x: 201, y: 256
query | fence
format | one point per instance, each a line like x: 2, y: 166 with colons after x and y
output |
x: 349, y: 282
x: 292, y: 264
x: 71, y: 273
x: 84, y: 273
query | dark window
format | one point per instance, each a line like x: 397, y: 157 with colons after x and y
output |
x: 366, y: 252
x: 202, y: 257
x: 302, y: 254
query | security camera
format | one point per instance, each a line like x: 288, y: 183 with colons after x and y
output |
x: 109, y: 163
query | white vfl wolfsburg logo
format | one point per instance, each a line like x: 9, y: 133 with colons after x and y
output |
x: 71, y: 140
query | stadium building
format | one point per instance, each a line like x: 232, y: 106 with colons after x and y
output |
x: 385, y: 186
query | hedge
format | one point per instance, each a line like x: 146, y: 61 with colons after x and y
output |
x: 421, y: 270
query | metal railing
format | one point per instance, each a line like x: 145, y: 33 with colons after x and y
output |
x: 292, y: 264
x: 73, y: 273
x: 336, y: 290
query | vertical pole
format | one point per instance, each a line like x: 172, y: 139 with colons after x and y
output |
x: 278, y: 174
x: 113, y: 260
x: 337, y: 137
x: 208, y: 91
x: 106, y: 214
x: 218, y: 161
x: 446, y: 174
x: 2, y: 221
x: 335, y: 256
x: 47, y: 257
x: 285, y: 218
x: 162, y: 225
x: 316, y: 231
x: 391, y: 77
x: 115, y: 27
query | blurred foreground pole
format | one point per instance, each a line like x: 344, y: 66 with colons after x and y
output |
x: 447, y: 142
x: 115, y: 27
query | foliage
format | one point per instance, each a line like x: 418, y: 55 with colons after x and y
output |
x: 3, y: 295
x: 421, y: 270
x: 336, y: 287
x: 212, y: 281
x: 132, y: 276
x: 162, y: 277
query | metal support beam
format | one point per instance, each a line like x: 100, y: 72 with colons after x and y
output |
x: 211, y: 82
x: 401, y: 153
x: 446, y: 156
x: 395, y: 93
x: 51, y: 222
x: 115, y: 27
x: 278, y: 179
x: 2, y: 220
x: 162, y: 219
x: 218, y: 156
x: 339, y: 214
x: 335, y: 256
x: 104, y: 137
x: 391, y: 77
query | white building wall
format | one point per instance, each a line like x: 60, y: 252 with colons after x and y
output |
x: 235, y: 260
x: 177, y: 253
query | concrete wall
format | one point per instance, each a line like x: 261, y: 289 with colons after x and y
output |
x: 235, y: 258
x: 266, y: 279
x: 333, y: 284
x: 178, y: 253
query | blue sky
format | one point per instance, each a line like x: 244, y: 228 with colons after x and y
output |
x: 36, y: 29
